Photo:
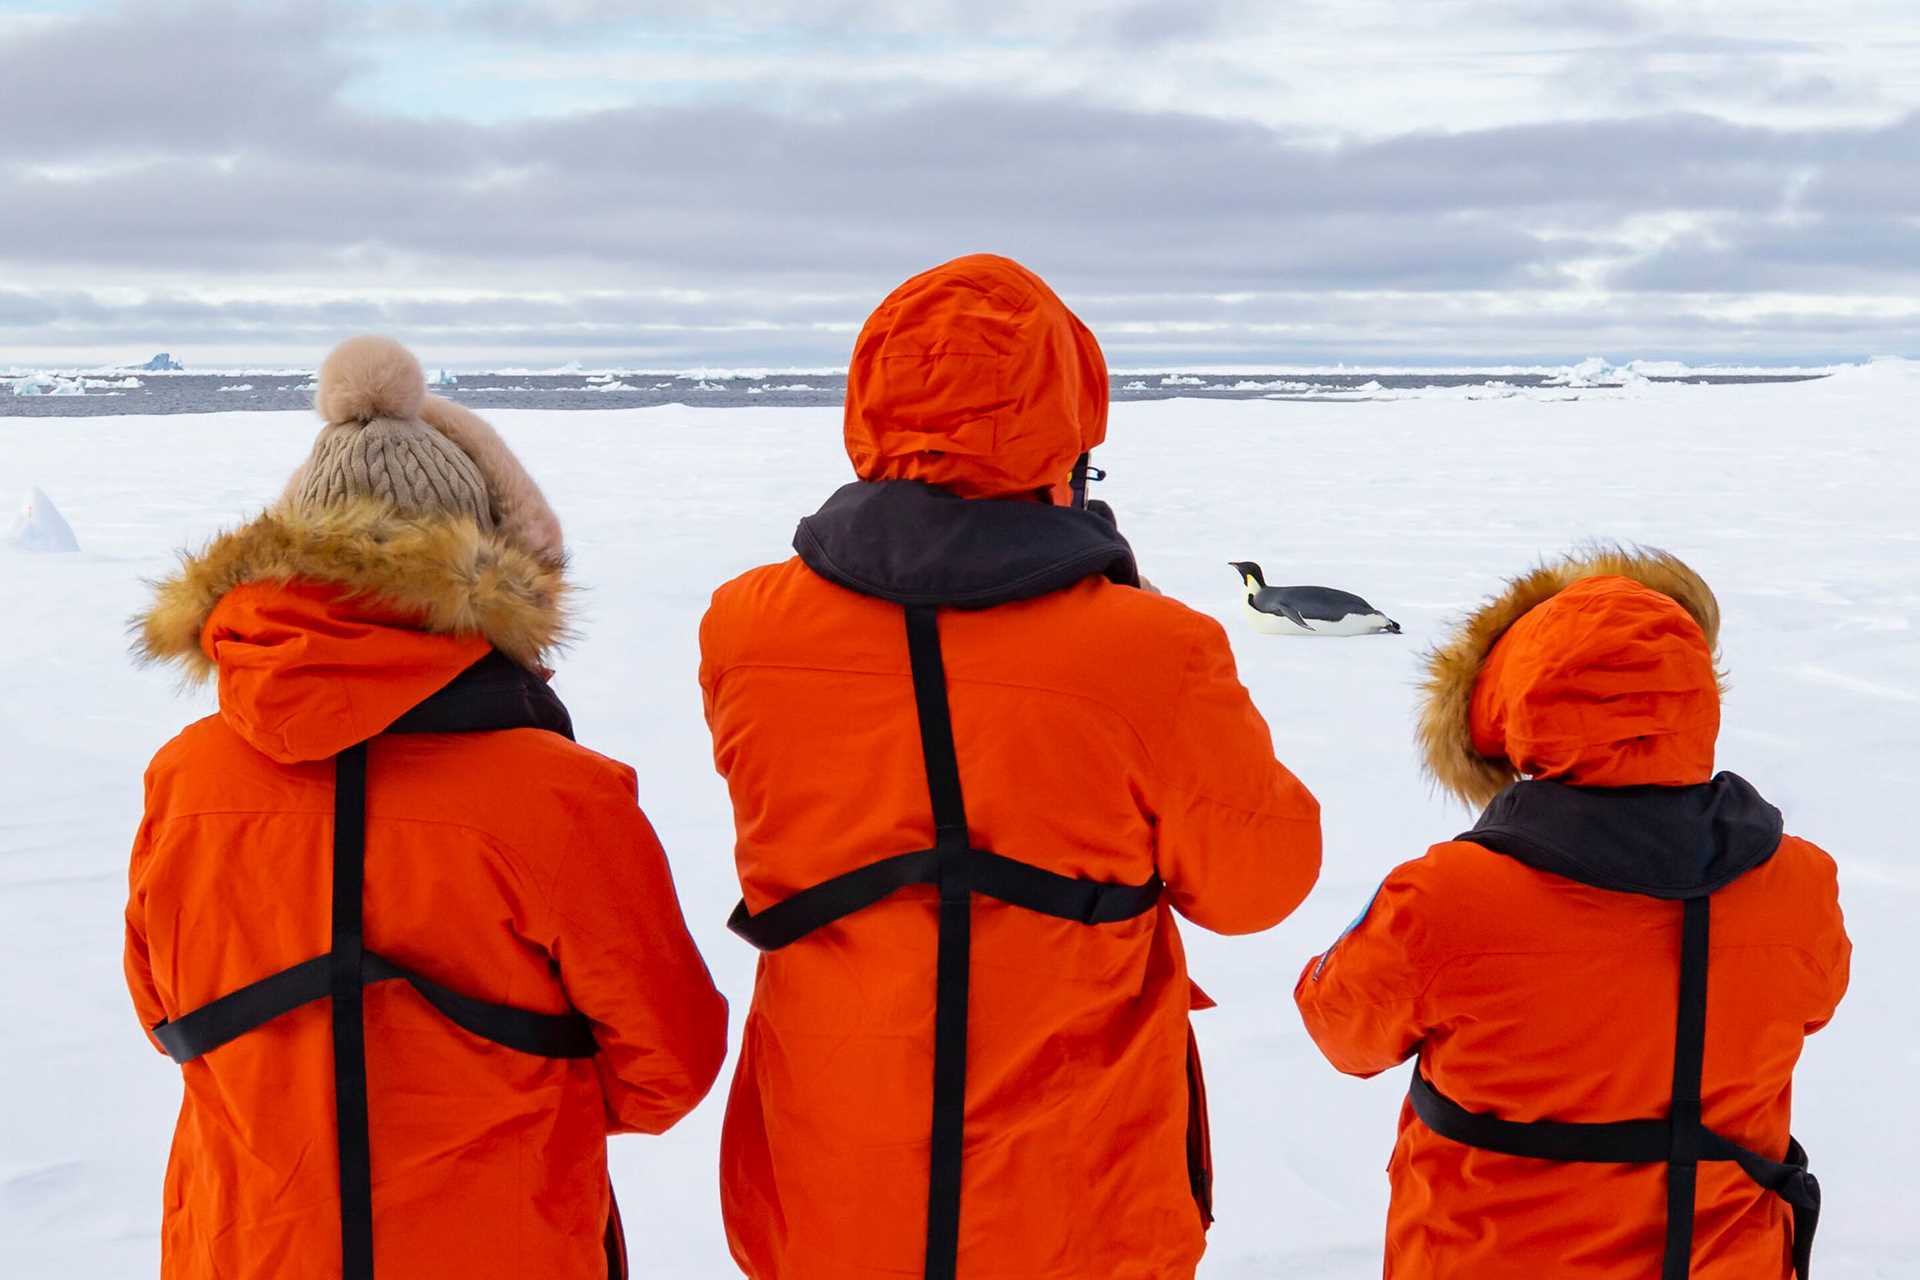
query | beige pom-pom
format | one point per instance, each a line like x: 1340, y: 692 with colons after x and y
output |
x: 367, y: 378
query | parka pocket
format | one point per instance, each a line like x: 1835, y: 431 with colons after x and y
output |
x: 1199, y: 1135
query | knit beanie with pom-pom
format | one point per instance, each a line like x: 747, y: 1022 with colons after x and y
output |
x: 386, y: 438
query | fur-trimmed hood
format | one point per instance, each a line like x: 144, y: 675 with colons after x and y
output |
x: 1597, y: 669
x: 325, y: 625
x: 457, y: 580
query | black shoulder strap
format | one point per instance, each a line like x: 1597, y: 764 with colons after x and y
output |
x: 1684, y: 1118
x: 342, y: 976
x: 952, y: 862
x: 954, y: 966
x: 349, y: 1027
x: 960, y: 870
x: 1681, y: 1141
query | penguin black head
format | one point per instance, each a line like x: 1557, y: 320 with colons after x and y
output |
x: 1248, y: 569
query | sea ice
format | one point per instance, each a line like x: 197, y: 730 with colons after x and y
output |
x: 1595, y: 371
x: 1794, y: 500
x: 49, y: 384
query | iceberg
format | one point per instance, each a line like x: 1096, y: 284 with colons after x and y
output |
x: 41, y: 527
x: 444, y: 379
x: 49, y: 384
x: 162, y: 363
x: 1597, y: 372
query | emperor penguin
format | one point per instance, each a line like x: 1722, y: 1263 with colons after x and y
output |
x: 1308, y: 611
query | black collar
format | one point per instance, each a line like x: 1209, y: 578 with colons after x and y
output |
x: 915, y: 544
x: 493, y: 693
x: 1664, y: 842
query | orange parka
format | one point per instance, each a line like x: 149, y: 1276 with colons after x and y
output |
x: 1100, y: 735
x: 1532, y: 965
x: 512, y: 867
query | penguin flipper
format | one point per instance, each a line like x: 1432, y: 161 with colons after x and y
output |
x: 1293, y: 615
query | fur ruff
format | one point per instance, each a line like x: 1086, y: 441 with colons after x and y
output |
x: 1454, y: 666
x: 440, y: 567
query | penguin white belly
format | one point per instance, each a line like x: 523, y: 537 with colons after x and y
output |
x: 1354, y: 624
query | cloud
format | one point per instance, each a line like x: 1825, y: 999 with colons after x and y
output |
x: 1139, y: 331
x: 211, y: 170
x: 1661, y: 74
x: 1584, y: 16
x: 1836, y: 254
x: 145, y: 81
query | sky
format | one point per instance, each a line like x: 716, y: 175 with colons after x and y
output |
x: 709, y: 183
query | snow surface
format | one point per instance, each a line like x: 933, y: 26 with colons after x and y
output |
x: 1795, y: 500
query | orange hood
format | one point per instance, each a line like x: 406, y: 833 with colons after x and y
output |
x: 1597, y: 671
x: 975, y: 377
x: 324, y: 627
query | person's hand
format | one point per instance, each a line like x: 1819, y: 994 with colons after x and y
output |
x: 1148, y: 586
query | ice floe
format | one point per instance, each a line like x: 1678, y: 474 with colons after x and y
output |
x: 48, y: 384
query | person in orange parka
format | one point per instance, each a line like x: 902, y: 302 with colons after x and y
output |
x: 976, y: 770
x: 1607, y: 982
x: 417, y: 952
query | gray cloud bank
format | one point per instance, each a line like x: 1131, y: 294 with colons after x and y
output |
x: 216, y: 178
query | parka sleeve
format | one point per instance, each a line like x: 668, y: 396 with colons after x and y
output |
x: 1239, y: 835
x: 629, y: 964
x: 1364, y: 998
x: 1829, y: 941
x: 138, y: 961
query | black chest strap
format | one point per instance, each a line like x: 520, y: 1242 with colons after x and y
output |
x: 347, y: 968
x: 960, y: 871
x: 1681, y: 1141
